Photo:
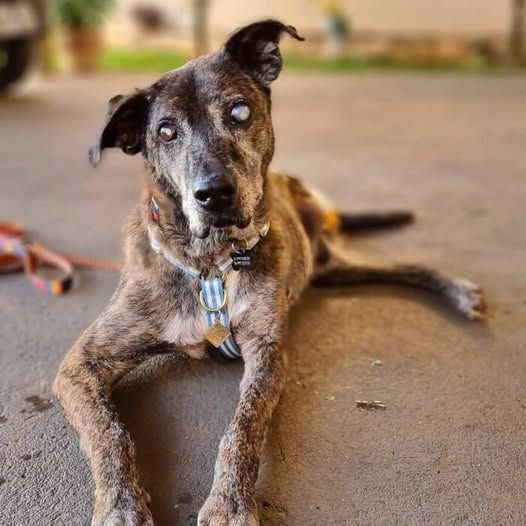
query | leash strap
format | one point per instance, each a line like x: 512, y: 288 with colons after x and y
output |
x: 17, y: 254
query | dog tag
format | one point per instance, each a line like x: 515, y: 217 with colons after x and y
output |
x: 217, y: 333
x: 242, y: 260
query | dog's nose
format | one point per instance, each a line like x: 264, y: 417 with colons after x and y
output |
x: 216, y: 193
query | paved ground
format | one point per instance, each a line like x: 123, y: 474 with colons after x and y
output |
x: 449, y: 449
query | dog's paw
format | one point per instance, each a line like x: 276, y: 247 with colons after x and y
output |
x: 468, y: 298
x: 124, y: 515
x: 222, y: 511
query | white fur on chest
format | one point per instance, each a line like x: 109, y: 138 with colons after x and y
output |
x: 182, y: 328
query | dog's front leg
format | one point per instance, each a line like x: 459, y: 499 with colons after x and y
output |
x: 231, y: 501
x: 83, y: 387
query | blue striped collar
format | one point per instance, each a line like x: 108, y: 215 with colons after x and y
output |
x: 224, y: 265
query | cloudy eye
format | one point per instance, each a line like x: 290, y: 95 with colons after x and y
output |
x: 167, y: 132
x: 240, y: 112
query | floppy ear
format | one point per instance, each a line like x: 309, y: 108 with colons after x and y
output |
x: 255, y: 48
x: 124, y: 125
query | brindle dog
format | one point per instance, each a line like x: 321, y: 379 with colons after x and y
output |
x: 205, y: 134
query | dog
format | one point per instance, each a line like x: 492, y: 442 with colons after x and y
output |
x: 215, y: 255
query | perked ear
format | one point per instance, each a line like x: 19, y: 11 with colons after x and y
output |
x: 124, y: 125
x: 255, y: 48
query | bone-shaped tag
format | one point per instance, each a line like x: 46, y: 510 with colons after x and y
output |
x: 242, y: 259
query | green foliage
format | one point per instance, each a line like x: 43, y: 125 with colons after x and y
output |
x: 80, y: 13
x: 161, y: 61
x: 124, y: 60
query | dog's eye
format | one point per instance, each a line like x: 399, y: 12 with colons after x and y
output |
x: 240, y: 112
x: 167, y: 132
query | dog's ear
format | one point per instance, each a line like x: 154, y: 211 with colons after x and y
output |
x: 255, y: 48
x: 124, y: 125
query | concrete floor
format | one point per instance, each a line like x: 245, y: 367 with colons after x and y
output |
x: 449, y: 448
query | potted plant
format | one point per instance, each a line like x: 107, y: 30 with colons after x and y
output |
x: 82, y: 21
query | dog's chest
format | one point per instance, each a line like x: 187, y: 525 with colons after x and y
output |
x: 188, y: 327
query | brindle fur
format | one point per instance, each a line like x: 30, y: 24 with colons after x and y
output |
x: 155, y: 309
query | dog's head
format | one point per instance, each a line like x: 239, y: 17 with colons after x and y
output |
x: 205, y: 129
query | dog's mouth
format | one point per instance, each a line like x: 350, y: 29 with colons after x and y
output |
x: 222, y: 223
x: 225, y: 222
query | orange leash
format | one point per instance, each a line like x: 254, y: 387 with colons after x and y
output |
x: 17, y: 254
x: 87, y: 263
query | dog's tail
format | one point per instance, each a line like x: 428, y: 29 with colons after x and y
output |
x: 349, y: 223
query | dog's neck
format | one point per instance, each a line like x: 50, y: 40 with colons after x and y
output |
x: 169, y: 228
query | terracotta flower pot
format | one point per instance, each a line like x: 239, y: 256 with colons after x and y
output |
x: 84, y: 45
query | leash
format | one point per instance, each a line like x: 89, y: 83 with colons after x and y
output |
x: 212, y: 293
x: 17, y: 254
